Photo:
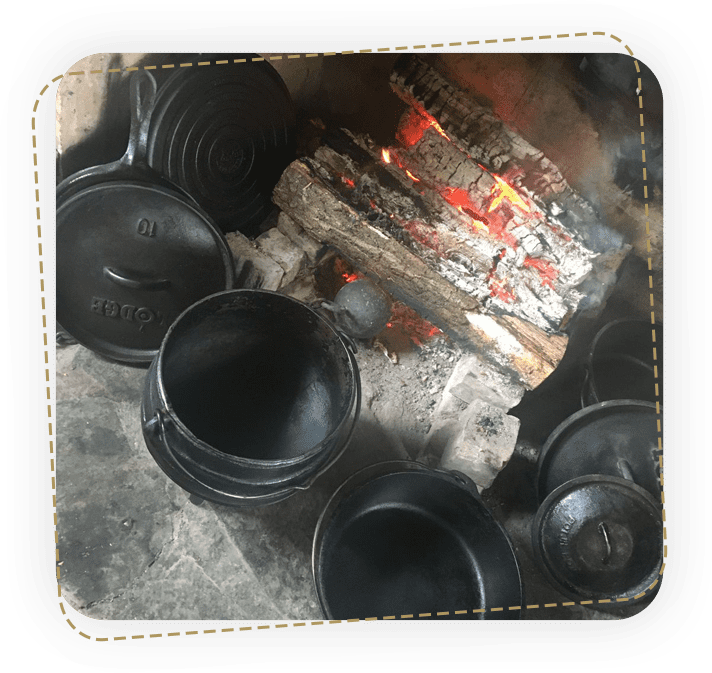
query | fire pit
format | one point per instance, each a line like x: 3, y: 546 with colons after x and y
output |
x: 499, y: 268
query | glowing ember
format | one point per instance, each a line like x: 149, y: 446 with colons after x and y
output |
x: 506, y: 192
x: 498, y: 289
x: 344, y: 271
x: 547, y: 272
x: 347, y: 181
x: 411, y: 128
x: 414, y: 124
x: 406, y: 320
x: 388, y: 158
x: 460, y: 199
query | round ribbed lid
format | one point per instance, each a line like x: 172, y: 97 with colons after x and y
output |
x: 225, y: 134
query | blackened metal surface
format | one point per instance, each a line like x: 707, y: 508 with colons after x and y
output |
x: 225, y: 134
x: 403, y: 539
x: 362, y: 309
x: 130, y: 259
x: 599, y: 538
x: 610, y: 438
x: 133, y: 251
x: 623, y: 365
x: 252, y: 395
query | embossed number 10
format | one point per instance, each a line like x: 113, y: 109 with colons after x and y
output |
x: 146, y: 228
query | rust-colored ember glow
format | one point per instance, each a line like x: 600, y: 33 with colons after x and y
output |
x: 498, y: 289
x: 344, y: 272
x: 407, y: 321
x: 348, y: 181
x: 546, y: 270
x: 390, y: 157
x: 460, y: 199
x: 414, y: 124
x: 411, y: 128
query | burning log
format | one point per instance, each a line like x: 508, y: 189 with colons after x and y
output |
x: 423, y: 249
x: 481, y: 254
x: 476, y: 132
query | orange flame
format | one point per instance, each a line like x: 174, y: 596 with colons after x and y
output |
x: 386, y: 156
x: 506, y: 191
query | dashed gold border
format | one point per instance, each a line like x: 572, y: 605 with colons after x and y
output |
x: 320, y: 55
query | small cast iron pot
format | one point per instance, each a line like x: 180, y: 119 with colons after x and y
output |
x: 599, y: 537
x: 252, y: 395
x: 598, y: 533
x: 133, y: 249
x: 400, y: 538
x: 621, y: 365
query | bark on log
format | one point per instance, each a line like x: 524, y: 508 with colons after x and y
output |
x: 416, y: 244
x: 513, y: 261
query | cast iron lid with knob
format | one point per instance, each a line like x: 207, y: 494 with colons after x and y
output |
x: 133, y: 251
x: 599, y: 538
x: 225, y: 134
x: 617, y: 438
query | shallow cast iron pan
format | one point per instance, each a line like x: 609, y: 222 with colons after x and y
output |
x: 225, y: 133
x: 133, y: 249
x: 400, y: 538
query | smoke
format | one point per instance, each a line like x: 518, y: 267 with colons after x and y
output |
x: 627, y: 164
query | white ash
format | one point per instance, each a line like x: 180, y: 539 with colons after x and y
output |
x: 403, y: 397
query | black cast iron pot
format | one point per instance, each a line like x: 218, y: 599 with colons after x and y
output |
x: 598, y: 533
x: 600, y: 538
x: 400, y: 538
x: 617, y: 438
x: 625, y: 363
x: 252, y: 395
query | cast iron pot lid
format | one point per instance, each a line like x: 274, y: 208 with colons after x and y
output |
x: 599, y: 537
x: 225, y: 134
x: 131, y: 257
x: 617, y: 438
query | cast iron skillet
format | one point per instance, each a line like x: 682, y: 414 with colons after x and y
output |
x: 399, y: 538
x: 133, y: 250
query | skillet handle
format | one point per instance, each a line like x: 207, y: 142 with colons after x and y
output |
x: 143, y: 99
